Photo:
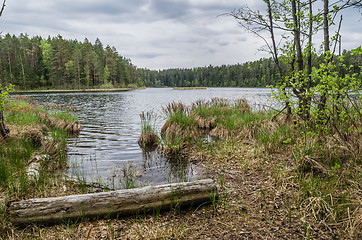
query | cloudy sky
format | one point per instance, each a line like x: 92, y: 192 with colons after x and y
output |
x: 154, y: 34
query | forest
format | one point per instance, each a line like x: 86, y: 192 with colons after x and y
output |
x: 56, y: 63
x: 260, y: 73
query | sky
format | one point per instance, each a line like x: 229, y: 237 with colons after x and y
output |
x: 154, y: 34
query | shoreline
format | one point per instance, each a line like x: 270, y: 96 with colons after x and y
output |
x: 74, y: 90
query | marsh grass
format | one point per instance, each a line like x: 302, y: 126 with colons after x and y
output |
x: 13, y: 161
x: 32, y: 134
x: 219, y: 117
x: 148, y: 121
x: 326, y: 158
x: 64, y: 115
x: 149, y: 139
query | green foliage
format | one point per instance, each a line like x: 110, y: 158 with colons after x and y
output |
x: 4, y: 95
x: 56, y: 63
x: 259, y: 73
x: 107, y: 85
x: 46, y: 49
x: 106, y: 74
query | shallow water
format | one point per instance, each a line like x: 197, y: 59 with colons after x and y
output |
x: 107, y: 145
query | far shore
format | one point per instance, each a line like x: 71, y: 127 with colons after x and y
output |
x: 74, y: 90
x: 189, y: 88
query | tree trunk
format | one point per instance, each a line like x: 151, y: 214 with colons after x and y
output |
x: 116, y: 203
x: 276, y: 58
x: 4, y: 131
x: 309, y: 62
x: 323, y: 99
x: 326, y: 26
x: 296, y: 32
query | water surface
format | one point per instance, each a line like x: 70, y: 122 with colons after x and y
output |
x: 107, y: 145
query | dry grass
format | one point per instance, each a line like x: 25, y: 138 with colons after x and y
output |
x: 274, y: 184
x: 148, y: 140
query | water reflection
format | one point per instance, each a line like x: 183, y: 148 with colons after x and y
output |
x: 111, y: 127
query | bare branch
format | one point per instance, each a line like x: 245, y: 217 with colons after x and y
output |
x: 2, y: 8
x: 337, y: 34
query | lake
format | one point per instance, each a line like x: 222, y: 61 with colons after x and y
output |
x: 107, y: 146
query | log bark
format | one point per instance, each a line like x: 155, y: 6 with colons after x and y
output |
x: 112, y: 204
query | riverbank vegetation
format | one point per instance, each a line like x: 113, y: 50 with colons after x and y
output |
x: 275, y: 177
x: 34, y: 154
x: 312, y: 177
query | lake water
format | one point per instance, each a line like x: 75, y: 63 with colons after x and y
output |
x: 107, y: 145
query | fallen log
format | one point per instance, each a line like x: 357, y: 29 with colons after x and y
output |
x: 112, y: 204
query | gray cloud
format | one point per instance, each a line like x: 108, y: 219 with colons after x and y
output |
x: 168, y: 9
x: 153, y: 33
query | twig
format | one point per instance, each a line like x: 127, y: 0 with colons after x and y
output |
x: 2, y: 8
x: 281, y: 111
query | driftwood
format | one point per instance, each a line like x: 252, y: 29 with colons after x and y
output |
x: 116, y: 203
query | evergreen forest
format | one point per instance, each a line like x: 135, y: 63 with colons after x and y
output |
x: 56, y: 63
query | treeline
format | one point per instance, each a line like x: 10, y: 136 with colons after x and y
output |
x: 56, y: 63
x: 260, y: 73
x: 251, y: 74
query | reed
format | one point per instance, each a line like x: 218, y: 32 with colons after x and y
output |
x: 149, y: 139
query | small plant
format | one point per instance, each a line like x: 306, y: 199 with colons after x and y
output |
x: 149, y: 139
x: 128, y: 180
x: 182, y: 172
x: 148, y: 122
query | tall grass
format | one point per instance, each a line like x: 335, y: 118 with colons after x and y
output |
x: 149, y: 139
x: 64, y: 115
x: 34, y: 132
x: 14, y: 158
x: 326, y: 157
x: 178, y: 113
x: 148, y: 122
x: 27, y: 140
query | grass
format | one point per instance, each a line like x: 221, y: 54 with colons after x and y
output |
x: 13, y: 162
x: 34, y: 132
x: 128, y: 180
x: 148, y: 140
x: 64, y: 115
x: 326, y: 161
x: 277, y: 179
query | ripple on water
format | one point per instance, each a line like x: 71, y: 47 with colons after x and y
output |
x: 111, y: 126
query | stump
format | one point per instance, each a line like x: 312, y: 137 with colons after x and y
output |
x: 116, y: 203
